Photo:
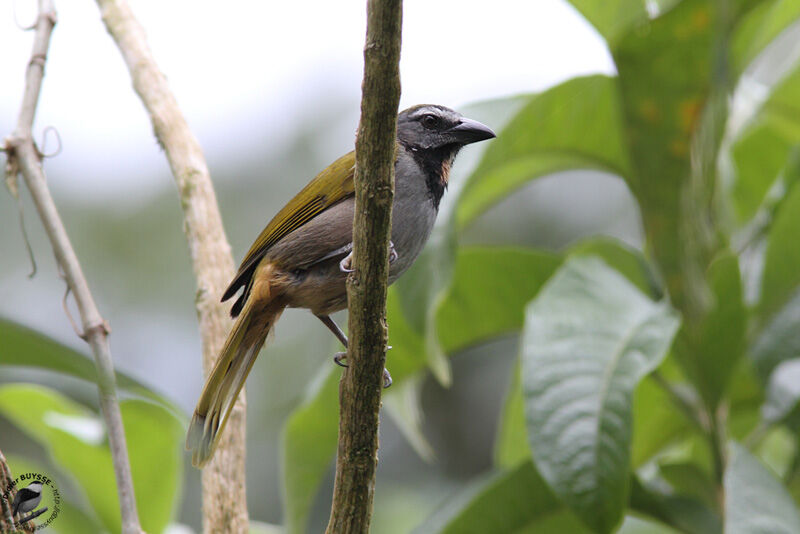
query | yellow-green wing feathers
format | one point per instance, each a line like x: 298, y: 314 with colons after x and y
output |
x: 326, y: 189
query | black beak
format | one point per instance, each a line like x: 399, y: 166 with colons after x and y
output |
x: 469, y: 131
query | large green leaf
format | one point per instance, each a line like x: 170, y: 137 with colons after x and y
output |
x: 666, y: 79
x: 781, y: 277
x: 755, y: 501
x: 657, y: 422
x: 613, y: 18
x: 22, y: 346
x: 490, y: 289
x: 75, y: 438
x: 575, y: 125
x: 511, y: 502
x: 589, y: 337
x: 511, y: 443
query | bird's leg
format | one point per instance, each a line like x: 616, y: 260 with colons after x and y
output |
x: 340, y: 357
x: 333, y: 327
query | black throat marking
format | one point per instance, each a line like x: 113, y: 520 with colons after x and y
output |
x: 435, y: 164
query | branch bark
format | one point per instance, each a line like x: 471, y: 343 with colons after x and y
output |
x: 224, y: 495
x: 361, y: 384
x: 24, y: 158
x: 6, y: 520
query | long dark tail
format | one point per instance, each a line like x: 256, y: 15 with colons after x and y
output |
x: 228, y: 376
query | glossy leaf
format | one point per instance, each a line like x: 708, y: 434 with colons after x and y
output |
x: 755, y: 501
x: 575, y: 125
x: 25, y: 347
x: 589, y: 337
x: 490, y: 289
x: 517, y: 500
x: 75, y: 438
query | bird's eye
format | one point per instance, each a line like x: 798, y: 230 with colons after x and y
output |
x: 430, y: 121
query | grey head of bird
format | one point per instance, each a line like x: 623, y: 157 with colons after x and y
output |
x: 439, y: 128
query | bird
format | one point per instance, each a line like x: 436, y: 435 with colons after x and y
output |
x: 302, y: 257
x: 27, y: 499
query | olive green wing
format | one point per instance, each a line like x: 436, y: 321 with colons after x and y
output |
x: 326, y: 189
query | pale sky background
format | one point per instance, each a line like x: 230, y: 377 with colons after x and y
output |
x: 242, y: 65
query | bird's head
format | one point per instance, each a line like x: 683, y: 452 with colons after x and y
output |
x: 35, y: 487
x: 432, y: 127
x: 434, y: 135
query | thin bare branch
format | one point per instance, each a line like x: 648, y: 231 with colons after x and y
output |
x: 20, y: 147
x: 224, y: 496
x: 361, y: 384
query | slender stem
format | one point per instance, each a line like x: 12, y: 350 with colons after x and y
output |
x: 224, y: 495
x: 361, y: 384
x: 26, y: 158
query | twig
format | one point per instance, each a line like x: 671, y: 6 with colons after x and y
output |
x: 360, y: 387
x: 224, y: 496
x: 20, y: 146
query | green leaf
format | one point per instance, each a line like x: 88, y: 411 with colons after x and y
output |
x: 590, y: 336
x: 402, y: 402
x: 490, y: 289
x: 755, y: 501
x: 25, y: 347
x: 764, y: 150
x: 779, y: 340
x: 781, y: 276
x: 514, y: 501
x: 575, y: 125
x: 626, y: 260
x: 657, y: 422
x: 75, y: 439
x: 759, y: 27
x: 673, y: 106
x: 685, y: 514
x: 308, y: 447
x: 712, y: 355
x: 511, y: 444
x: 612, y: 18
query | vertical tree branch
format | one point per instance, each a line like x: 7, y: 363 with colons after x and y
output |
x: 361, y: 384
x: 6, y: 519
x: 224, y: 495
x: 23, y: 157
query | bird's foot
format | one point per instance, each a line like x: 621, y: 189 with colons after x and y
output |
x: 346, y: 264
x: 340, y: 357
x: 387, y: 378
x: 392, y: 258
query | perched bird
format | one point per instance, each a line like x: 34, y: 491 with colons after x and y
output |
x: 27, y: 499
x: 302, y: 257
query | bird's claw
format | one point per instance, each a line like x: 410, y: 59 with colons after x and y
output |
x: 387, y: 378
x: 392, y: 258
x: 340, y: 357
x: 345, y: 264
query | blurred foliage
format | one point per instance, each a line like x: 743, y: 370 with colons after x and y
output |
x: 652, y: 390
